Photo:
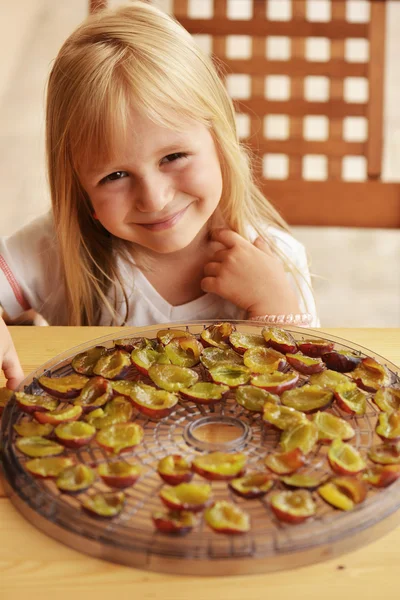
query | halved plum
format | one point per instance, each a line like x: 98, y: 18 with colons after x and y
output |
x: 301, y: 480
x: 205, y: 392
x: 293, y: 507
x: 5, y: 397
x: 388, y: 427
x: 30, y: 403
x: 285, y: 463
x: 385, y: 454
x: 308, y: 398
x: 95, y: 394
x: 345, y: 459
x: 331, y: 427
x: 217, y: 335
x: 30, y: 428
x: 370, y: 375
x: 344, y: 492
x: 387, y: 399
x: 60, y: 415
x: 244, y: 341
x: 303, y: 436
x: 164, y: 336
x: 115, y: 364
x: 382, y: 475
x: 84, y: 362
x: 37, y: 446
x: 193, y: 497
x: 329, y: 379
x: 119, y: 474
x: 120, y: 437
x: 264, y: 360
x: 129, y: 344
x: 117, y: 410
x: 174, y: 521
x: 144, y: 358
x: 280, y: 339
x: 105, y: 505
x: 282, y: 417
x: 275, y: 382
x: 66, y: 387
x: 152, y: 402
x: 174, y: 469
x: 253, y: 398
x: 220, y: 466
x: 230, y: 375
x: 226, y: 517
x: 315, y: 348
x: 214, y: 357
x: 354, y: 487
x: 76, y: 478
x: 335, y: 497
x: 75, y: 434
x: 351, y: 399
x: 305, y: 364
x: 252, y: 485
x: 343, y: 361
x: 172, y: 378
x: 184, y: 351
x: 50, y: 466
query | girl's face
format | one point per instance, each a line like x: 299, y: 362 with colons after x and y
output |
x: 161, y: 189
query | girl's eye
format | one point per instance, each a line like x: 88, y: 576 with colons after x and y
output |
x: 173, y: 157
x: 114, y: 176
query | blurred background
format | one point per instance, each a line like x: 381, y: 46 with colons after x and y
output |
x: 331, y: 163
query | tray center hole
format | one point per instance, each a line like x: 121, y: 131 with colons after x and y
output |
x: 217, y: 432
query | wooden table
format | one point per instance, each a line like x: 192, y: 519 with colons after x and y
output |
x: 33, y: 565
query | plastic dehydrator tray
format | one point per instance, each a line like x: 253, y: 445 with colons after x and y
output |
x: 192, y: 429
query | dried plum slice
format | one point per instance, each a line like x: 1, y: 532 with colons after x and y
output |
x: 120, y: 437
x: 385, y: 454
x: 172, y: 378
x: 387, y: 399
x: 129, y: 344
x: 275, y: 382
x: 113, y: 365
x: 118, y: 410
x: 164, y: 336
x: 308, y: 398
x: 174, y: 521
x: 119, y: 474
x: 343, y: 361
x: 331, y: 427
x: 214, y: 357
x: 66, y: 387
x: 244, y: 341
x: 315, y: 348
x: 226, y: 517
x: 345, y: 459
x: 205, y: 392
x: 370, y: 375
x: 329, y: 379
x: 96, y: 393
x: 282, y: 417
x: 382, y: 475
x: 30, y: 428
x: 217, y: 335
x: 253, y: 398
x: 335, y: 497
x: 252, y: 485
x: 151, y: 401
x: 50, y: 466
x: 388, y: 427
x: 264, y: 360
x: 344, y: 492
x: 285, y: 463
x: 279, y: 339
x: 37, y: 447
x: 220, y: 465
x: 144, y: 358
x: 184, y: 351
x: 75, y: 479
x: 174, y: 469
x: 350, y: 399
x: 305, y: 364
x: 105, y: 505
x: 293, y: 507
x: 230, y: 375
x: 84, y: 362
x: 193, y: 497
x: 301, y: 480
x: 303, y: 436
x: 75, y: 434
x: 60, y: 415
x: 30, y: 403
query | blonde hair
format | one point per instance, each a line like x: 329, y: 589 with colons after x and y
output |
x: 132, y: 56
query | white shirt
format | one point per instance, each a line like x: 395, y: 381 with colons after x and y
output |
x: 30, y: 278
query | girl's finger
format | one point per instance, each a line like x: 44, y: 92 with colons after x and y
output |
x: 209, y: 285
x: 261, y: 244
x: 220, y: 255
x: 227, y: 237
x: 212, y: 269
x: 12, y: 369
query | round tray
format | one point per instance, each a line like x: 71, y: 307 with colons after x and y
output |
x: 191, y: 429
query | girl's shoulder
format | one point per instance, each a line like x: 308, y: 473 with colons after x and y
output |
x: 37, y: 232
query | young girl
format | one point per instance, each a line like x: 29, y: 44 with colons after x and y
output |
x: 155, y: 216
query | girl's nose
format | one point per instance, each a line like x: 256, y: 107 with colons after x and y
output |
x: 153, y: 194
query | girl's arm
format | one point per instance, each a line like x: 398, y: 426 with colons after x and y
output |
x: 9, y: 359
x: 250, y: 276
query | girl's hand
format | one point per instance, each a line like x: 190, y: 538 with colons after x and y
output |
x: 9, y: 358
x: 249, y: 275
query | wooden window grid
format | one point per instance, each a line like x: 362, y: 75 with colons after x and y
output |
x: 301, y: 196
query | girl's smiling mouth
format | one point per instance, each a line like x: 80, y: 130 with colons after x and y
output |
x: 166, y: 223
